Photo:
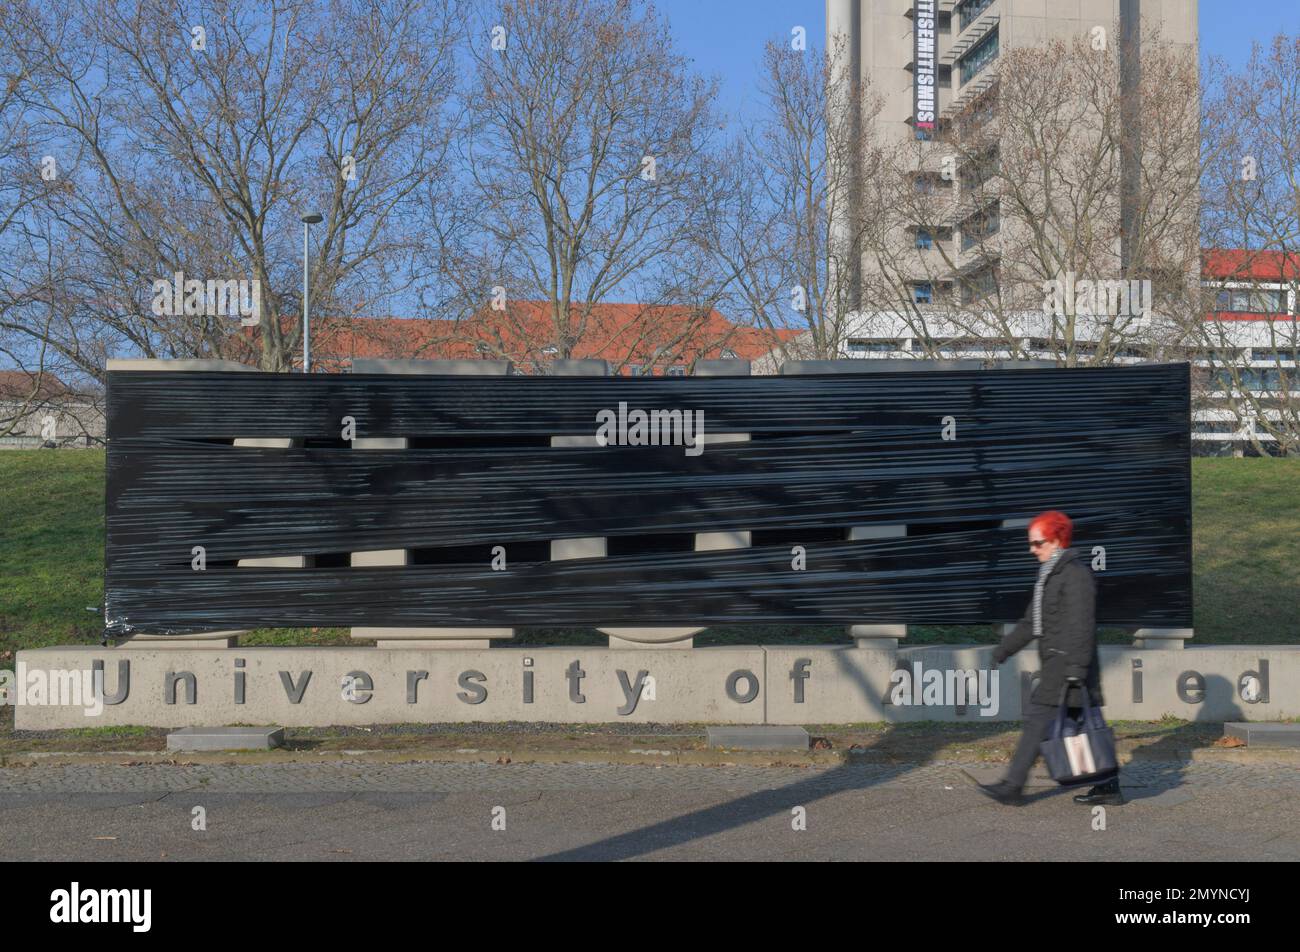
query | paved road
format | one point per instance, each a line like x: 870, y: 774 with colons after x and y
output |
x: 596, y: 811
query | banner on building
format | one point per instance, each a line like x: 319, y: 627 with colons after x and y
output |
x: 924, y: 92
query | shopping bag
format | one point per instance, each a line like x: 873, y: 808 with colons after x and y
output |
x: 1080, y: 749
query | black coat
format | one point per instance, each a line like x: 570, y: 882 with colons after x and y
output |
x: 1068, y: 648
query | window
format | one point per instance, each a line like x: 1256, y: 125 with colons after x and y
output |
x: 971, y: 9
x: 1249, y: 301
x: 861, y: 346
x: 676, y: 370
x: 980, y: 112
x: 979, y: 170
x: 1256, y: 378
x: 924, y: 240
x: 983, y: 53
x: 1217, y: 426
x: 979, y: 226
x: 925, y: 135
x: 962, y: 347
x: 922, y: 292
x: 980, y: 285
x: 1274, y: 355
x: 927, y: 183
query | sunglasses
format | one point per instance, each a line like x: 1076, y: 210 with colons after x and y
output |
x: 1035, y: 543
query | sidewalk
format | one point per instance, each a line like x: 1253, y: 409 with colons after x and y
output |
x: 624, y: 744
x: 358, y: 809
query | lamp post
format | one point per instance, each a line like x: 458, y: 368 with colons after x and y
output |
x: 307, y: 221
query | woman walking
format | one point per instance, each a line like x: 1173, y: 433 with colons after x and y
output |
x: 1061, y: 616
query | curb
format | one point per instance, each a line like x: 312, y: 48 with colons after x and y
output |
x: 642, y: 756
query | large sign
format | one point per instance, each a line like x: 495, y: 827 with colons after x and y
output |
x: 924, y: 88
x: 534, y: 501
x: 789, y: 684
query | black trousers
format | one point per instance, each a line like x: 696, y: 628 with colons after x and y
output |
x: 1033, y: 732
x: 1037, y: 723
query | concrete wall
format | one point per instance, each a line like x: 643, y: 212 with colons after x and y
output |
x: 792, y: 685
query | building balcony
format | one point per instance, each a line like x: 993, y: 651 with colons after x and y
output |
x: 985, y: 24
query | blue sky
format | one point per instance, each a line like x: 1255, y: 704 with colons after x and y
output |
x: 726, y: 37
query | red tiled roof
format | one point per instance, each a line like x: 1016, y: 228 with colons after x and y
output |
x: 623, y: 334
x: 1243, y: 264
x: 20, y: 384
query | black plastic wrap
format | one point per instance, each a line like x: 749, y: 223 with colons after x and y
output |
x: 1108, y: 446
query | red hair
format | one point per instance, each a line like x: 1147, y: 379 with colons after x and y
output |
x: 1055, y: 526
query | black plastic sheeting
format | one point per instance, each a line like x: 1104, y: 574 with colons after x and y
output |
x: 1108, y: 446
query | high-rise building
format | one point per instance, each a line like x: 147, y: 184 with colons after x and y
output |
x: 929, y: 63
x: 932, y: 66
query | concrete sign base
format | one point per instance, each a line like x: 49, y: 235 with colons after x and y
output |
x: 781, y: 685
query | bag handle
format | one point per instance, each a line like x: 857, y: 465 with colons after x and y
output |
x: 1087, y: 707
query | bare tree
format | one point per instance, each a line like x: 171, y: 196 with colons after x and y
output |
x: 585, y: 164
x: 1251, y: 186
x: 1021, y: 196
x: 787, y: 233
x: 195, y: 137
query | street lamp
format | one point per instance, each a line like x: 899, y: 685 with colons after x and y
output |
x: 307, y: 221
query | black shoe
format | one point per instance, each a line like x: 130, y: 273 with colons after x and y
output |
x: 1107, y: 793
x: 1004, y: 793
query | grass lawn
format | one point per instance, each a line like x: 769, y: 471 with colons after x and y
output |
x: 1246, y: 551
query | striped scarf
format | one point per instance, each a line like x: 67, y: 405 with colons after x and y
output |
x: 1043, y: 571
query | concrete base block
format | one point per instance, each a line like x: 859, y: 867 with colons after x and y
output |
x: 721, y: 541
x: 651, y: 637
x: 580, y: 367
x: 380, y: 443
x: 1161, y: 639
x: 859, y: 533
x: 717, y: 439
x: 576, y: 440
x: 758, y: 738
x: 465, y: 644
x: 861, y: 365
x: 264, y: 442
x: 277, y: 562
x: 378, y: 558
x: 1264, y: 735
x: 588, y: 548
x: 877, y: 637
x: 225, y: 738
x: 473, y: 368
x: 433, y: 637
x: 204, y: 640
x: 149, y: 363
x: 721, y: 368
